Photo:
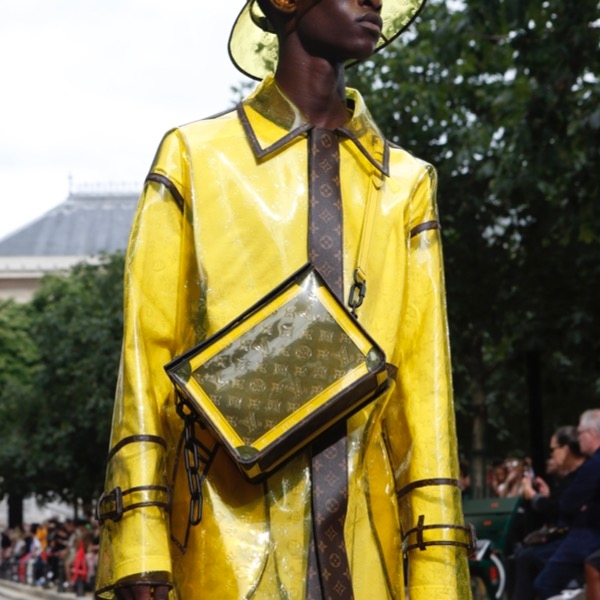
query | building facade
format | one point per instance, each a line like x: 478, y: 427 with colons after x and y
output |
x: 87, y: 224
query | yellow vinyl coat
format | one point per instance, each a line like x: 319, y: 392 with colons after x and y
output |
x: 221, y: 222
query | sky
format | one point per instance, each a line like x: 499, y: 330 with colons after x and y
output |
x: 89, y: 87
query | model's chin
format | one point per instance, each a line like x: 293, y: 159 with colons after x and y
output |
x: 361, y: 48
x: 363, y: 53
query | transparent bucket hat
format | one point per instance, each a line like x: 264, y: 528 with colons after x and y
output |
x: 253, y: 45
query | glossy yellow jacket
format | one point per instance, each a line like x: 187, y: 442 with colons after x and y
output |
x: 222, y: 221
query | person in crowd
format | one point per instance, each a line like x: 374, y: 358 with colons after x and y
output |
x: 565, y: 459
x: 92, y: 544
x: 506, y: 477
x: 6, y: 543
x: 516, y: 469
x: 465, y: 479
x: 232, y: 207
x: 57, y: 549
x: 78, y: 535
x: 5, y: 551
x: 31, y: 550
x: 578, y: 510
x: 497, y: 478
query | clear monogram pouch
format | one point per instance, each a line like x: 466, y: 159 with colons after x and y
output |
x: 281, y: 374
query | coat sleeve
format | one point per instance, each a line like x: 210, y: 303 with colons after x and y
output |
x: 420, y: 426
x: 159, y: 284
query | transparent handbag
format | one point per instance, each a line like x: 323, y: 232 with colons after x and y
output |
x: 281, y: 374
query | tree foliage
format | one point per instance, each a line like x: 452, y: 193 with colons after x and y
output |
x: 19, y: 365
x: 502, y: 97
x: 77, y: 325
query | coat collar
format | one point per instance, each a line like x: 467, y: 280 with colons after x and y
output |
x: 270, y: 121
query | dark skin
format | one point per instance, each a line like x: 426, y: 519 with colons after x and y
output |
x: 592, y: 580
x: 316, y: 39
x: 142, y: 592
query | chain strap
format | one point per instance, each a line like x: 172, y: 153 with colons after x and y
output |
x: 197, y: 457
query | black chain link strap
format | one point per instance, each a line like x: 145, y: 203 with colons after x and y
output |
x: 197, y: 456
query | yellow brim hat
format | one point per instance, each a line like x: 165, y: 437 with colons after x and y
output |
x: 253, y: 46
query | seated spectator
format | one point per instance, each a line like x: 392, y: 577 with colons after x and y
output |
x: 565, y: 459
x: 513, y: 486
x: 465, y: 479
x: 578, y: 509
x: 506, y: 476
x: 497, y: 478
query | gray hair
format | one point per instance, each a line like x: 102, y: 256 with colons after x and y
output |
x: 590, y: 419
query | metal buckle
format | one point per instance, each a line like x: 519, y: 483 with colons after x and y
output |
x: 114, y: 514
x: 358, y: 291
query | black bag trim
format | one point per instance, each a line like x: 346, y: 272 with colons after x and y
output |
x: 297, y: 436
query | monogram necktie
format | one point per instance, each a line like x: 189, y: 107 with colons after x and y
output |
x: 328, y: 570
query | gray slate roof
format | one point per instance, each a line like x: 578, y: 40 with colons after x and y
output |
x: 85, y: 224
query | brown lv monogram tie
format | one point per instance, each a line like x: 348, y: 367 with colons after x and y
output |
x: 328, y: 570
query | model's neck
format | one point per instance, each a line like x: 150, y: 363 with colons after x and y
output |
x: 315, y: 86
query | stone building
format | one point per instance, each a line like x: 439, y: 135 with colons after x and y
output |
x: 89, y: 222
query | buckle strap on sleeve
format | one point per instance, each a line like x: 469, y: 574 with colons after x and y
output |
x: 422, y: 536
x: 427, y: 226
x: 114, y: 503
x: 135, y: 439
x: 427, y: 482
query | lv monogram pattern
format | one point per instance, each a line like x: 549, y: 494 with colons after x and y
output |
x: 325, y: 216
x: 278, y: 366
x: 328, y: 574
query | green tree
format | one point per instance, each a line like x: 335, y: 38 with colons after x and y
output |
x: 19, y: 364
x: 501, y: 96
x: 77, y: 325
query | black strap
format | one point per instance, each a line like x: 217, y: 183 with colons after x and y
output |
x: 439, y: 534
x: 112, y: 504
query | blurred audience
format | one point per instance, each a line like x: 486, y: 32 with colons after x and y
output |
x: 565, y: 459
x: 579, y: 510
x: 506, y: 480
x: 497, y: 478
x: 45, y: 554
